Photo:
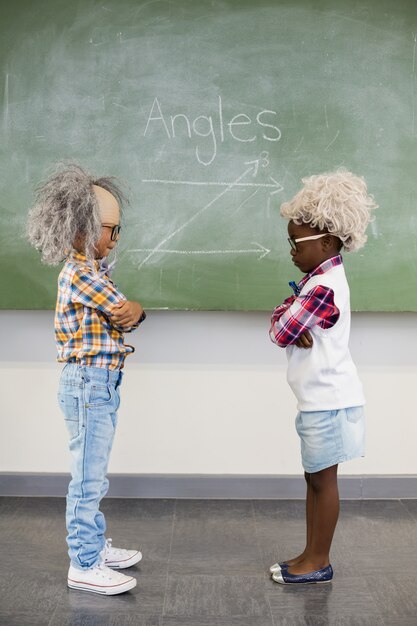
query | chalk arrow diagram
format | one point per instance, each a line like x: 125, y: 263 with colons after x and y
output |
x: 258, y: 249
x: 238, y: 182
x: 194, y: 217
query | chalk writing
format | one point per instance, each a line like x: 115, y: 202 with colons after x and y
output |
x: 241, y: 128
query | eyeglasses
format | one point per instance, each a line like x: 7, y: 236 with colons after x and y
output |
x: 293, y: 242
x: 115, y: 230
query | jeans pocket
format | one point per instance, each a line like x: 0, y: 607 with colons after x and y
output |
x: 70, y: 407
x: 100, y: 395
x: 354, y: 414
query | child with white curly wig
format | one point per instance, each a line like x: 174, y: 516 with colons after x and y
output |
x: 330, y: 213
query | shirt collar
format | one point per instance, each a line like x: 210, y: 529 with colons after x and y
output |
x: 322, y: 268
x: 79, y: 257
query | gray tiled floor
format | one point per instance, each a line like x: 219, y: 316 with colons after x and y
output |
x: 205, y: 564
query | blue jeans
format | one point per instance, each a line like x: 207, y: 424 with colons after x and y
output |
x: 89, y: 399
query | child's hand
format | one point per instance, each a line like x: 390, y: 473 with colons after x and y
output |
x: 126, y: 314
x: 305, y: 340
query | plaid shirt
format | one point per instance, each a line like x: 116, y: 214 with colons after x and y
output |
x: 316, y: 307
x: 83, y: 331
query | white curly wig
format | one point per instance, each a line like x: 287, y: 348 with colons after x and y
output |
x: 335, y: 202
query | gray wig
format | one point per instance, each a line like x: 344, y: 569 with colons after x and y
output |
x: 66, y: 207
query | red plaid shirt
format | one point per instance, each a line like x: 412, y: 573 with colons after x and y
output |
x: 316, y: 307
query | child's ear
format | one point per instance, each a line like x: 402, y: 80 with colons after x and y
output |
x: 330, y: 242
x: 338, y: 244
x: 327, y: 242
x: 79, y: 243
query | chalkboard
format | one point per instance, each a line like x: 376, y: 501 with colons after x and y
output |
x: 211, y: 112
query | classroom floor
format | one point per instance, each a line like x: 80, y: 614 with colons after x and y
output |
x: 206, y: 563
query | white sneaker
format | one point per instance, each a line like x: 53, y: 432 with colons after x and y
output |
x: 100, y: 579
x: 118, y: 558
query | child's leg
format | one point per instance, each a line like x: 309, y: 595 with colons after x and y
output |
x: 323, y: 507
x: 310, y: 503
x: 310, y: 506
x: 99, y: 520
x: 92, y: 433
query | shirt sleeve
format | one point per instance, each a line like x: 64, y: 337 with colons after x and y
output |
x: 305, y: 312
x: 98, y: 293
x: 279, y: 310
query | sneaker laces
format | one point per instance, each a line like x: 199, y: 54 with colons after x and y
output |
x: 109, y: 547
x: 102, y: 569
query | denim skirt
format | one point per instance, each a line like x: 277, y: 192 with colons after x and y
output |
x: 330, y: 437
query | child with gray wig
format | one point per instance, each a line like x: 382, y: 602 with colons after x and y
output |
x: 330, y: 212
x: 76, y: 218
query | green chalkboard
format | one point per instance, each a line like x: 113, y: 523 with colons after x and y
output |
x: 212, y: 112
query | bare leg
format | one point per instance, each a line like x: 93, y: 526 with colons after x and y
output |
x: 310, y: 503
x: 310, y: 507
x: 325, y: 513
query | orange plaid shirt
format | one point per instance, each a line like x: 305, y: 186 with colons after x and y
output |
x: 84, y: 333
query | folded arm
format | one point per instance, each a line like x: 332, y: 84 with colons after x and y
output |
x: 290, y: 324
x: 101, y: 294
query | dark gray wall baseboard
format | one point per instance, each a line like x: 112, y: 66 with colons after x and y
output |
x: 227, y: 486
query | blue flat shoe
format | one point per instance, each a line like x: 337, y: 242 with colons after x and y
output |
x: 277, y: 567
x: 324, y: 575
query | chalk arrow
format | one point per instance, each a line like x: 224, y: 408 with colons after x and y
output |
x: 255, y: 164
x: 275, y: 185
x: 259, y: 249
